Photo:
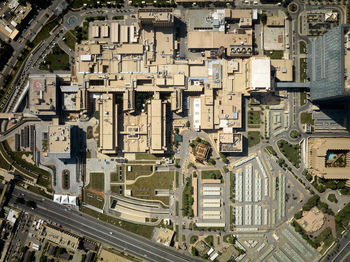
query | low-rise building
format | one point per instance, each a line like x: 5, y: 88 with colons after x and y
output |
x: 43, y: 94
x: 59, y: 141
x: 62, y: 238
x: 328, y: 157
x: 201, y: 152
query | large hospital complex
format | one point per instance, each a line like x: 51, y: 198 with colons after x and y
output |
x: 127, y: 59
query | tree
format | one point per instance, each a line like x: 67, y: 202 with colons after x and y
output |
x: 194, y: 251
x: 211, y: 162
x: 332, y: 198
x: 263, y: 18
x: 223, y: 158
x: 313, y: 201
x: 331, y: 184
x: 298, y: 215
x: 188, y: 124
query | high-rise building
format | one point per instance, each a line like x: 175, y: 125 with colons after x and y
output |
x: 328, y: 65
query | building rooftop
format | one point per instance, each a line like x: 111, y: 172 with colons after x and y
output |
x: 230, y: 142
x: 326, y: 65
x: 283, y: 69
x: 108, y: 123
x: 201, y: 152
x: 59, y: 141
x: 43, y: 94
x: 260, y: 73
x: 318, y: 149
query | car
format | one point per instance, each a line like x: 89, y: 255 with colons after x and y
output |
x: 111, y: 233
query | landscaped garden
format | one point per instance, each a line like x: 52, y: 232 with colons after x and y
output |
x: 145, y: 187
x: 187, y: 199
x: 303, y: 69
x: 325, y: 236
x: 253, y: 138
x: 303, y: 98
x: 138, y: 170
x: 65, y: 179
x: 254, y: 119
x: 306, y: 118
x: 140, y: 229
x: 302, y: 47
x: 290, y: 151
x: 274, y: 54
x: 56, y: 60
x: 294, y: 134
x: 70, y: 39
x: 45, y: 30
x: 97, y: 182
x: 211, y: 174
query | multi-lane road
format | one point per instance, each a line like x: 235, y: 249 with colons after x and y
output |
x: 98, y: 230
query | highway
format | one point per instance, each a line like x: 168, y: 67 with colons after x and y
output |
x: 98, y: 230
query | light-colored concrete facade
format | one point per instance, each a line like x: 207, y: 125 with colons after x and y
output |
x: 136, y: 56
x: 320, y: 150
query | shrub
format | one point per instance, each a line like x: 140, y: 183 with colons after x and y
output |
x: 332, y: 198
x: 298, y: 214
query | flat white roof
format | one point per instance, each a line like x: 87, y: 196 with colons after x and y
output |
x: 260, y: 73
x: 197, y: 113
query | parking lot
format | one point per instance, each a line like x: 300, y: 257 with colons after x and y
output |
x: 210, y: 199
x: 259, y: 197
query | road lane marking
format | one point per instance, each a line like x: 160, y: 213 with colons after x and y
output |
x: 112, y: 236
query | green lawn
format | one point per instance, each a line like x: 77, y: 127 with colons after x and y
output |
x: 254, y: 119
x: 138, y: 170
x: 303, y: 98
x: 274, y: 54
x: 46, y: 29
x: 142, y: 230
x: 3, y: 162
x: 118, y: 17
x: 290, y: 151
x: 116, y: 189
x: 193, y: 239
x: 270, y: 150
x: 253, y: 138
x: 294, y: 134
x: 56, y: 60
x: 211, y: 174
x: 93, y: 199
x: 187, y: 199
x: 146, y: 156
x: 39, y: 191
x: 97, y: 182
x: 43, y: 177
x: 209, y: 240
x: 70, y: 39
x: 303, y: 69
x: 114, y: 176
x: 342, y: 219
x: 145, y: 187
x: 302, y: 47
x: 306, y: 118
